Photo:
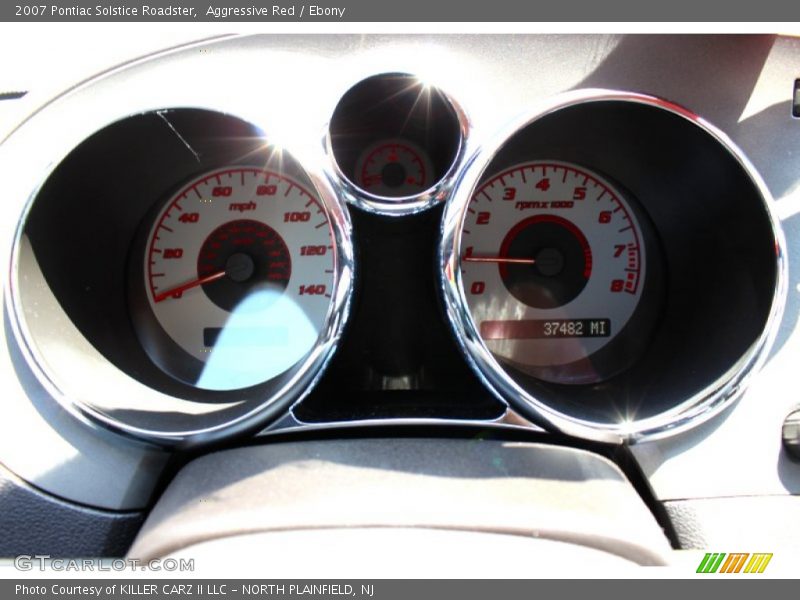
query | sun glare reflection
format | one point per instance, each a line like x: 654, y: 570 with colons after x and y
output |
x: 265, y: 335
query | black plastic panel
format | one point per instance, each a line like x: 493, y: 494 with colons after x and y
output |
x: 398, y: 357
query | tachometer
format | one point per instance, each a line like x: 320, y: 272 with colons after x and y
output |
x: 553, y: 267
x: 238, y: 273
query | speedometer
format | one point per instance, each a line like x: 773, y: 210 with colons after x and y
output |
x: 553, y: 268
x: 238, y: 274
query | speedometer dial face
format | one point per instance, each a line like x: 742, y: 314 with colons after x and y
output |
x: 553, y: 267
x: 238, y: 274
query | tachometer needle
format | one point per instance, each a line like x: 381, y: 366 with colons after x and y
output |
x: 500, y: 259
x: 187, y: 286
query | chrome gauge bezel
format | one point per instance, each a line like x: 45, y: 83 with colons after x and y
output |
x: 206, y: 423
x: 685, y: 413
x: 405, y: 205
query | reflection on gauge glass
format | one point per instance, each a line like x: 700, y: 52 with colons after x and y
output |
x: 238, y: 274
x: 394, y: 168
x: 553, y: 268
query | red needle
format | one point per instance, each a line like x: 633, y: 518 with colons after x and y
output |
x: 500, y: 259
x: 187, y: 286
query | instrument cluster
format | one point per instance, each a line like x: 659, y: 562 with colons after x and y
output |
x: 587, y: 267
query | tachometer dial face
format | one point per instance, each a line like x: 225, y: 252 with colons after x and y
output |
x: 394, y: 168
x: 238, y: 273
x: 553, y: 267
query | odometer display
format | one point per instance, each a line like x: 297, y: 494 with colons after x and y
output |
x: 553, y: 266
x: 538, y: 328
x: 238, y: 272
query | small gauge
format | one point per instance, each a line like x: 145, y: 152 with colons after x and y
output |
x: 238, y: 275
x: 553, y: 268
x: 394, y: 168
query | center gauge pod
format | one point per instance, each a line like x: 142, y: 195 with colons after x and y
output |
x: 611, y: 267
x: 396, y: 142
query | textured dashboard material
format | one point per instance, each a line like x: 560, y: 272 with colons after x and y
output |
x: 34, y: 523
x: 522, y: 489
x: 764, y: 522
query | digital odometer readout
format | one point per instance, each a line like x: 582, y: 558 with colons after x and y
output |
x: 529, y: 329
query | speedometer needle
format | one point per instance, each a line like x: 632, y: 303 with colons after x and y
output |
x: 187, y: 286
x: 500, y: 259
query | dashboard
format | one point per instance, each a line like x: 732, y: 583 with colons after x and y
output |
x: 361, y: 254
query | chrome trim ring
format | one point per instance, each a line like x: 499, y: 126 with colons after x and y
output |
x: 691, y: 412
x: 58, y: 373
